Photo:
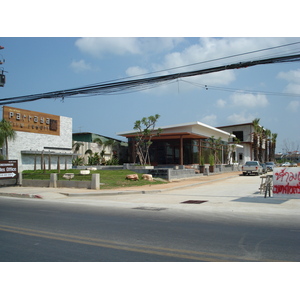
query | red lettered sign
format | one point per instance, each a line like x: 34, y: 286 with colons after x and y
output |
x: 286, y: 182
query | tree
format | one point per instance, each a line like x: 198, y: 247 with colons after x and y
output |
x: 93, y: 158
x: 261, y: 135
x: 273, y: 147
x: 145, y: 128
x: 267, y: 144
x: 215, y: 146
x: 6, y: 133
x: 98, y: 141
x: 231, y: 149
x: 76, y: 146
x: 256, y: 126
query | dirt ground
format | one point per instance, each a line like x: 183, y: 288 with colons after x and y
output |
x: 184, y: 182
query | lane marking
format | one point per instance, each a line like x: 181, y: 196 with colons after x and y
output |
x: 161, y: 251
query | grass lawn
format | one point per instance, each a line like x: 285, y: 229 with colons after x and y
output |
x: 109, y: 178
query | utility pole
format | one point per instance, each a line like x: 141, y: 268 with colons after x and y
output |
x: 2, y: 76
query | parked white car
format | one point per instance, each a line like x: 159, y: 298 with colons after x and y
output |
x: 252, y: 167
x: 286, y: 164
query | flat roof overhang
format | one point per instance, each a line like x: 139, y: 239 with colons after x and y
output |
x: 195, y: 130
x: 177, y: 135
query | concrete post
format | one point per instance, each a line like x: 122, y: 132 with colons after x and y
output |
x: 20, y: 179
x: 95, y: 184
x: 169, y: 174
x: 53, y: 180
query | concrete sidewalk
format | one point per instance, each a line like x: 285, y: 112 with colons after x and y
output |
x: 49, y: 193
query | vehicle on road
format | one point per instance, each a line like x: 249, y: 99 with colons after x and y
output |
x: 264, y: 168
x: 270, y: 166
x: 286, y: 164
x: 252, y: 167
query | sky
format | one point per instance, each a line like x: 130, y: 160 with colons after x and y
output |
x: 45, y: 64
x: 53, y: 46
x: 49, y: 49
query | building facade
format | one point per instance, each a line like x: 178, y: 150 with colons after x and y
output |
x: 184, y: 144
x: 245, y: 133
x: 42, y: 140
x: 108, y: 148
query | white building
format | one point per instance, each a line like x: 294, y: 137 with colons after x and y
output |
x: 243, y: 132
x: 42, y: 140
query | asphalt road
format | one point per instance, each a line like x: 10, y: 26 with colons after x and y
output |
x: 150, y: 228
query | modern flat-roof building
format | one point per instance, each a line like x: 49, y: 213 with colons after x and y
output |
x: 182, y: 144
x: 42, y: 140
x: 244, y: 132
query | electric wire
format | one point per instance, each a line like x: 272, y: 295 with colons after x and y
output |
x: 236, y: 90
x: 115, y: 87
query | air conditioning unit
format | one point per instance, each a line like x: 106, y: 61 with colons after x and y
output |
x: 2, y: 79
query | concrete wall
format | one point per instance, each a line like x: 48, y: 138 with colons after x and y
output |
x: 95, y: 148
x: 27, y: 141
x: 60, y: 183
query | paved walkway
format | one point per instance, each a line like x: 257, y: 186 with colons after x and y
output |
x: 38, y: 192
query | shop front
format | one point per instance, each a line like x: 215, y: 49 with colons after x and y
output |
x: 184, y: 144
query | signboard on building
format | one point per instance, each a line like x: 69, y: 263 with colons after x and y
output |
x: 8, y: 169
x: 31, y: 121
x: 286, y: 182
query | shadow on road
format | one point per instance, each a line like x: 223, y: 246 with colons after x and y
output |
x: 261, y: 200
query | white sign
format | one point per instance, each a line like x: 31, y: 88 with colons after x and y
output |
x: 7, y: 175
x: 286, y: 182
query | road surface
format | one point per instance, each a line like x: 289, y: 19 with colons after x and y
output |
x: 234, y: 223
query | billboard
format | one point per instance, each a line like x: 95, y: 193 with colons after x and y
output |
x: 286, y: 182
x: 32, y: 121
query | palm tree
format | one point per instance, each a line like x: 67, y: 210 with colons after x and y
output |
x: 274, y: 137
x: 6, y: 133
x: 98, y: 141
x: 260, y: 137
x: 267, y: 147
x: 256, y: 126
x: 76, y: 146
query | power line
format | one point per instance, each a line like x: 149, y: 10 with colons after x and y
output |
x: 212, y: 87
x: 126, y: 85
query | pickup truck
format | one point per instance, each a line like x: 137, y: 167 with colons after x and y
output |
x: 252, y: 167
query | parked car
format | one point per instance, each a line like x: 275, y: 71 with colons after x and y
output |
x: 286, y: 164
x: 264, y: 168
x: 252, y: 167
x: 270, y: 166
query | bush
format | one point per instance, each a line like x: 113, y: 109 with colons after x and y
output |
x: 112, y: 162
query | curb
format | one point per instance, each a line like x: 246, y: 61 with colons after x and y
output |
x: 21, y: 195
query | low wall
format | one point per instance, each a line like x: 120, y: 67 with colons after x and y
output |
x: 59, y: 183
x: 171, y: 174
x: 99, y: 167
x: 54, y: 183
x: 180, y: 172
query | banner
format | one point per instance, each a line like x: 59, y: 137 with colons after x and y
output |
x: 286, y: 182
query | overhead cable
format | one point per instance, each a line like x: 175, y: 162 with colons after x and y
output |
x: 126, y: 85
